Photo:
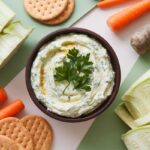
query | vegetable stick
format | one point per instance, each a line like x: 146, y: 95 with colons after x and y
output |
x: 128, y: 15
x: 12, y: 109
x: 3, y: 96
x: 10, y: 39
x: 109, y: 3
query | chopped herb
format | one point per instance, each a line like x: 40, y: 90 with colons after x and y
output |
x: 76, y: 69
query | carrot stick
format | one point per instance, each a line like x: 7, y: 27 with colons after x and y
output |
x: 128, y: 15
x: 109, y: 3
x: 12, y: 109
x: 3, y: 96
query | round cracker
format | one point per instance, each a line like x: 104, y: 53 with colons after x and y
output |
x: 14, y: 129
x: 64, y: 16
x: 40, y: 131
x: 45, y: 9
x: 7, y: 144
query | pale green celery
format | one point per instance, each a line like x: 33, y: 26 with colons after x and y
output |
x: 138, y: 138
x: 137, y: 82
x: 143, y: 120
x: 11, y: 37
x: 137, y: 102
x: 125, y: 116
x: 137, y: 107
x: 137, y: 98
x: 6, y: 15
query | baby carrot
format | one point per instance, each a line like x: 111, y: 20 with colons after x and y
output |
x: 128, y: 15
x: 12, y: 109
x: 3, y: 96
x: 109, y: 3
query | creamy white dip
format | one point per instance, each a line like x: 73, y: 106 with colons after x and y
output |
x: 73, y: 103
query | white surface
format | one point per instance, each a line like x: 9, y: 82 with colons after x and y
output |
x: 68, y: 136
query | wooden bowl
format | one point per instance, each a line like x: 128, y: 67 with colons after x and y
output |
x: 114, y: 61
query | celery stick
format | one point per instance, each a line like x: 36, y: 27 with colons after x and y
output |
x: 138, y: 139
x: 11, y: 37
x: 125, y: 116
x: 6, y: 15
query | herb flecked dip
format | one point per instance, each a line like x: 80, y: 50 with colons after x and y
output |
x: 72, y: 75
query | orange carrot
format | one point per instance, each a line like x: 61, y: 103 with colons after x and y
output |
x: 12, y: 109
x: 109, y: 3
x: 128, y: 15
x: 3, y: 96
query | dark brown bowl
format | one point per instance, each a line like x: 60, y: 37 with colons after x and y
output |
x: 114, y: 61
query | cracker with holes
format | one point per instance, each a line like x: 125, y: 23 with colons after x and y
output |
x: 64, y: 16
x: 40, y: 131
x: 14, y: 129
x: 45, y: 9
x: 7, y: 144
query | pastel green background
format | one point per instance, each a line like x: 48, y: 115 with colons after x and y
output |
x: 106, y: 131
x: 19, y: 60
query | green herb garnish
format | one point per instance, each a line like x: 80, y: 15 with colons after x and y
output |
x: 76, y: 69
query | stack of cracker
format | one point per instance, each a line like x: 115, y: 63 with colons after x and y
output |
x: 29, y: 133
x: 50, y: 12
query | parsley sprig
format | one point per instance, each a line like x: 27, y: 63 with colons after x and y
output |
x: 76, y: 69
